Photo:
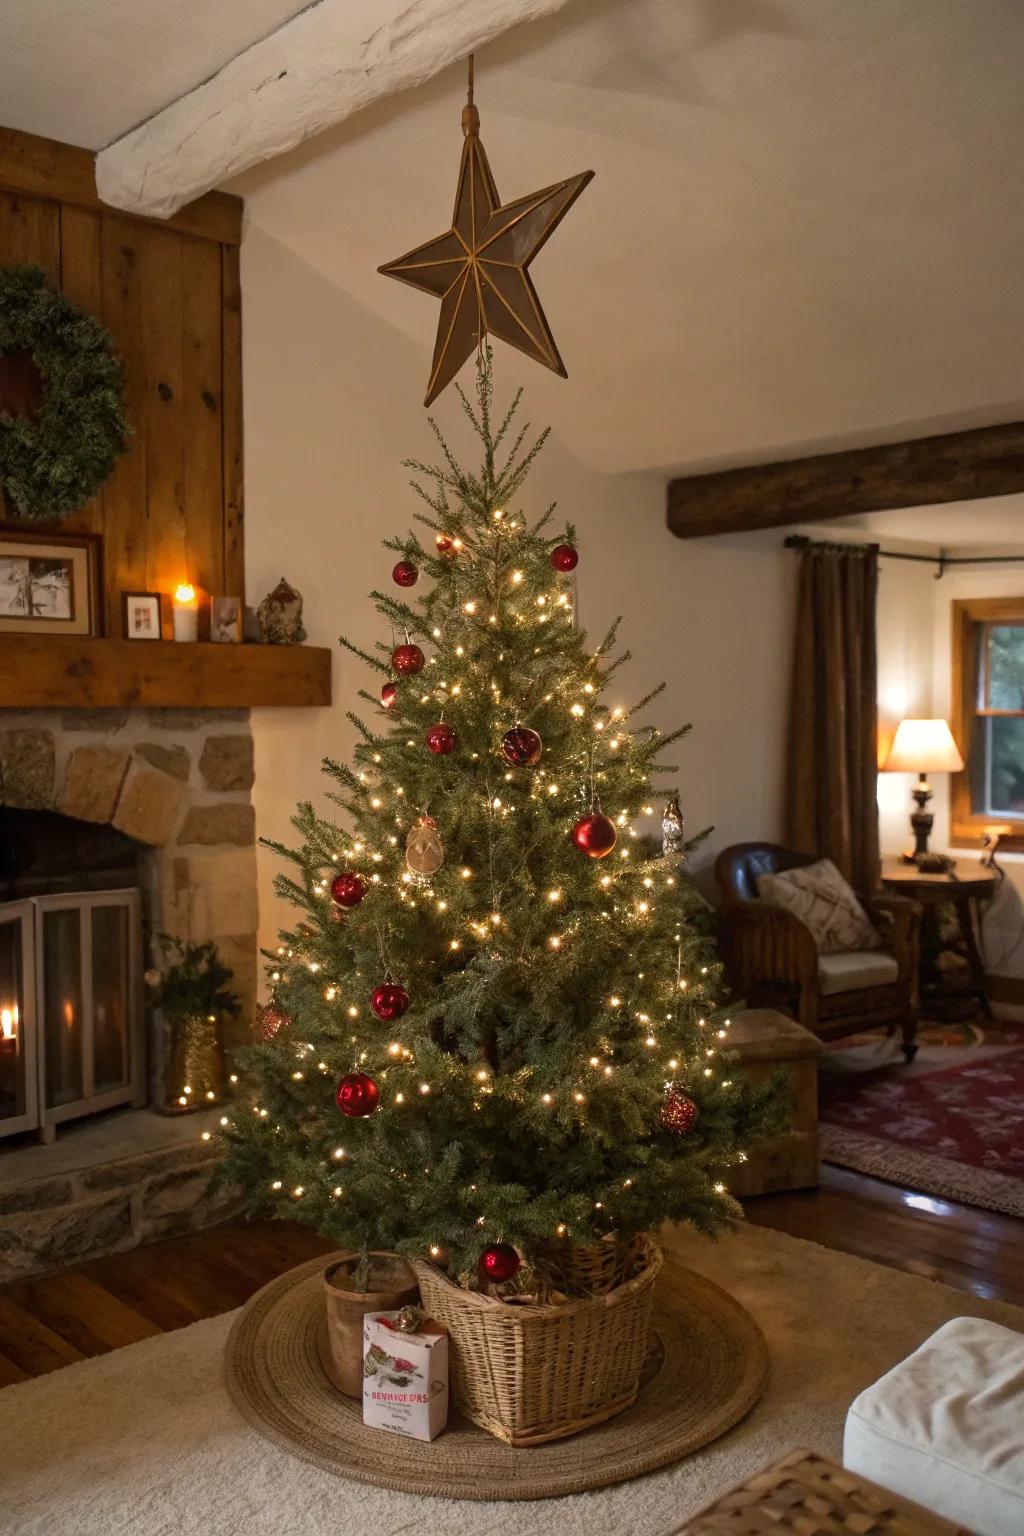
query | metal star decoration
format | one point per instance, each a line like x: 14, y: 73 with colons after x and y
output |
x: 478, y: 268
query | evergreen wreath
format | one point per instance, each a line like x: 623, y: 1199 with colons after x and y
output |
x: 53, y: 462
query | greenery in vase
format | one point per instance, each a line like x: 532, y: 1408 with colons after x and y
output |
x: 558, y: 1004
x: 193, y: 981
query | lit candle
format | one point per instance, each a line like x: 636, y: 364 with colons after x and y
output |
x: 9, y: 1031
x: 186, y: 612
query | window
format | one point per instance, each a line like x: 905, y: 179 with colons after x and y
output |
x: 988, y: 718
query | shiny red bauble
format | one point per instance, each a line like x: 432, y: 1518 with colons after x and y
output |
x: 389, y: 1001
x: 445, y: 544
x: 348, y: 889
x: 388, y: 694
x: 678, y: 1113
x: 564, y: 557
x: 440, y: 739
x: 521, y: 747
x: 357, y: 1094
x: 594, y: 835
x: 405, y: 574
x: 500, y: 1262
x: 407, y: 659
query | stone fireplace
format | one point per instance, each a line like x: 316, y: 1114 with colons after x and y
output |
x: 116, y: 826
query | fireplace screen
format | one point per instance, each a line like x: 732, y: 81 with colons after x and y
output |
x: 71, y: 1026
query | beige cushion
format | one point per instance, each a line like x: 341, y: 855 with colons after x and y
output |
x: 819, y: 896
x: 858, y: 968
x: 944, y: 1427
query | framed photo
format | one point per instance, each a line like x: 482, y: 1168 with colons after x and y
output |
x: 141, y: 613
x: 226, y: 619
x: 49, y: 583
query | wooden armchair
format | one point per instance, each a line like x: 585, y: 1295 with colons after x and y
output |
x: 772, y: 959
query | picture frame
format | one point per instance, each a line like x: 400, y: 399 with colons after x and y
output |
x: 50, y: 583
x: 141, y: 615
x: 226, y: 616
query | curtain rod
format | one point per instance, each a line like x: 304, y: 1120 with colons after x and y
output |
x: 942, y: 561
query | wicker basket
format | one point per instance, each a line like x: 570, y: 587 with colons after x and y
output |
x: 529, y: 1373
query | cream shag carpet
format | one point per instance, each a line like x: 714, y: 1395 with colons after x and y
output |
x: 146, y: 1442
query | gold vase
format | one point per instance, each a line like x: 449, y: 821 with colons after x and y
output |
x: 195, y: 1064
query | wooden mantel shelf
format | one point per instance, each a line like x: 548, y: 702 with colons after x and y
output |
x: 50, y: 672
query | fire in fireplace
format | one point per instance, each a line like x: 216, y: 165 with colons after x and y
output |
x: 72, y: 1036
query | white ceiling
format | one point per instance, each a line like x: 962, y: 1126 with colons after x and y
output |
x: 993, y: 526
x: 86, y: 71
x: 806, y: 229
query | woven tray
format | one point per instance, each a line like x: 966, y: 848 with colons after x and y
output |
x: 805, y: 1494
x: 708, y: 1368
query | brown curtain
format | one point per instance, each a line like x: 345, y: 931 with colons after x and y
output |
x: 831, y: 809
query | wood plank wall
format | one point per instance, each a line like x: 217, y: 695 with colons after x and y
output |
x: 170, y: 295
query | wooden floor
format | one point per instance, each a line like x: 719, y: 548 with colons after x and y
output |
x: 49, y: 1322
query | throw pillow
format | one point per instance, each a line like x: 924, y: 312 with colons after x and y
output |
x: 822, y: 900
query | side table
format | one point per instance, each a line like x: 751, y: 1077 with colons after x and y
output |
x: 963, y: 888
x: 810, y: 1495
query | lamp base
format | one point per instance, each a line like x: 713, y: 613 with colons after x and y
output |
x: 929, y: 863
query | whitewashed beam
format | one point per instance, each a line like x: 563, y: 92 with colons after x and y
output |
x: 331, y: 60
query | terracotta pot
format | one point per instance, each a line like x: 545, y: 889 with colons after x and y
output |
x: 346, y: 1309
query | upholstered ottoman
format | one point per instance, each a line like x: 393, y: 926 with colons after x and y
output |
x: 945, y: 1427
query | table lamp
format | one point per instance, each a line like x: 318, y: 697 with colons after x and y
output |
x: 923, y: 747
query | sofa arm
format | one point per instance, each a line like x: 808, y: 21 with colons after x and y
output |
x: 898, y: 920
x: 767, y: 943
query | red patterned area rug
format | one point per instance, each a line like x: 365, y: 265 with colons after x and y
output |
x: 952, y: 1125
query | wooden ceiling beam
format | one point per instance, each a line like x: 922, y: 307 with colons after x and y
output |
x: 959, y: 466
x: 329, y: 61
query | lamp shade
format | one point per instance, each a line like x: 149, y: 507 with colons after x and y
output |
x: 923, y: 746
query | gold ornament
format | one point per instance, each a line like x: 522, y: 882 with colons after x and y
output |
x: 423, y: 852
x: 478, y: 268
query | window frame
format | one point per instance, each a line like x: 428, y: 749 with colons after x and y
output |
x: 967, y: 826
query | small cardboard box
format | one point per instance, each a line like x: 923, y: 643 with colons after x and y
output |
x: 405, y: 1376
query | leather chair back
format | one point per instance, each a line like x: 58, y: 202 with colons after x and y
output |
x: 737, y: 868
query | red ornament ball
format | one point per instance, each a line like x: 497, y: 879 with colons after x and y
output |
x: 445, y: 544
x: 440, y: 739
x: 407, y: 659
x: 500, y: 1262
x: 594, y: 835
x: 564, y: 557
x: 357, y: 1094
x: 389, y: 1001
x: 348, y: 889
x: 405, y: 574
x: 270, y: 1020
x: 521, y: 747
x: 388, y: 694
x: 678, y: 1113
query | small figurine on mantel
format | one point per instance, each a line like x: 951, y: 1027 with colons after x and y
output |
x: 673, y: 829
x: 280, y: 616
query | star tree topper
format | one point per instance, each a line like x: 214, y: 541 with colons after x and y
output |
x: 478, y: 268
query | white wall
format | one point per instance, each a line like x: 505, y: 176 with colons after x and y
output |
x: 330, y: 414
x: 330, y: 399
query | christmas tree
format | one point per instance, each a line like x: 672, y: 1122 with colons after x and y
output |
x: 494, y: 1028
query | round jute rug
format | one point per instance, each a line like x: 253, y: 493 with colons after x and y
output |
x: 708, y: 1367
